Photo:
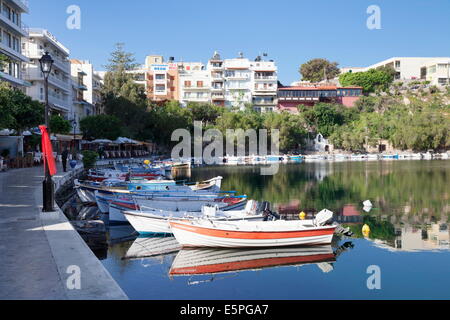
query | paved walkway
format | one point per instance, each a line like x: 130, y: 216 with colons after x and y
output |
x: 38, y: 249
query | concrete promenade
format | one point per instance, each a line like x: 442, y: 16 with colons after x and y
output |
x: 40, y: 253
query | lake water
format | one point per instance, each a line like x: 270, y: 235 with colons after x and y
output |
x: 408, y: 243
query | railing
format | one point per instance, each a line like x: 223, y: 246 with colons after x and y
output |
x: 36, y: 74
x: 265, y: 78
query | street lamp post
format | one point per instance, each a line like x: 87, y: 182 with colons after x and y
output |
x: 46, y: 63
x: 74, y: 126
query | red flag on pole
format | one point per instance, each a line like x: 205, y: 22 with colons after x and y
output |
x: 48, y: 151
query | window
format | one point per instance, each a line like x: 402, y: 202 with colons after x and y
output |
x: 397, y: 64
x: 7, y: 40
x: 200, y: 84
x: 187, y: 84
x: 160, y: 76
x: 6, y: 11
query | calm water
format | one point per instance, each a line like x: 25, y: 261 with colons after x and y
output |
x: 409, y: 238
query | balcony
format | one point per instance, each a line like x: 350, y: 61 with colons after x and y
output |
x: 19, y: 27
x: 217, y: 96
x: 15, y: 81
x: 266, y: 90
x: 59, y: 102
x: 237, y: 76
x: 217, y: 88
x: 196, y: 99
x: 13, y: 53
x: 36, y: 75
x: 195, y: 88
x: 22, y: 4
x: 265, y: 102
x: 266, y: 78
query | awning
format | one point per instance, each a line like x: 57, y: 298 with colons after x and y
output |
x: 63, y: 137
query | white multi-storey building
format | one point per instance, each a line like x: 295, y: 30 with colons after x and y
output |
x: 80, y: 107
x: 414, y: 68
x: 93, y: 82
x: 264, y: 85
x: 194, y: 82
x: 238, y: 82
x: 217, y: 70
x: 59, y: 84
x: 437, y: 71
x: 12, y: 34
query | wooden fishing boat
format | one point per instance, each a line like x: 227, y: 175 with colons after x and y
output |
x: 205, y: 261
x: 86, y: 189
x: 157, y: 221
x: 173, y: 204
x: 243, y: 234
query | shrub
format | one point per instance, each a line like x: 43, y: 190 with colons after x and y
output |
x: 89, y: 158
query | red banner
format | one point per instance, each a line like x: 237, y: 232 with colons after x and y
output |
x: 48, y: 151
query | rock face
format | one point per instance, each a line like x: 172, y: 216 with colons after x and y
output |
x: 92, y: 232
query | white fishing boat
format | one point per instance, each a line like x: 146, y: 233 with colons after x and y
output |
x: 215, y: 261
x: 172, y: 204
x: 242, y: 234
x: 148, y: 220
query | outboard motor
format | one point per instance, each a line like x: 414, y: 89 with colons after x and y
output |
x: 323, y: 217
x: 269, y: 215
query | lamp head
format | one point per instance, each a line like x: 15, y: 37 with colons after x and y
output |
x: 46, y: 63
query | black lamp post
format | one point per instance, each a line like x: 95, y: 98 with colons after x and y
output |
x: 74, y: 126
x: 46, y: 63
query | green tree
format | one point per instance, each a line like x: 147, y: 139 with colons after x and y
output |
x: 18, y: 111
x: 207, y: 113
x: 118, y: 82
x: 317, y: 70
x: 59, y: 125
x: 101, y: 127
x: 3, y: 62
x: 371, y: 81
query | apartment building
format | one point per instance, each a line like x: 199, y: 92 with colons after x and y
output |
x: 264, y: 85
x: 413, y: 68
x: 436, y: 71
x: 80, y: 107
x: 238, y: 82
x: 59, y: 80
x: 12, y: 34
x: 232, y: 83
x: 217, y: 71
x: 93, y: 82
x: 194, y: 82
x: 162, y: 79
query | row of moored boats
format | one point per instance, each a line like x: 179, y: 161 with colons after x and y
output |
x: 198, y: 214
x: 235, y: 160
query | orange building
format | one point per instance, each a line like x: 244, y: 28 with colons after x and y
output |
x: 162, y: 79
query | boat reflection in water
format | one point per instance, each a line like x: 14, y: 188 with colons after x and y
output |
x: 189, y: 262
x: 147, y: 247
x: 197, y: 262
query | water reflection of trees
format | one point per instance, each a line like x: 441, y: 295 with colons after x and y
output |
x: 396, y: 188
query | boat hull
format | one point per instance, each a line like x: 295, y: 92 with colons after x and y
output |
x: 149, y: 224
x: 200, y: 236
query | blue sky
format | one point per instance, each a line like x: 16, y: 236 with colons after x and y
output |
x: 290, y: 31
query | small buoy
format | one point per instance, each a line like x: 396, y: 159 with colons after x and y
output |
x: 367, y: 204
x: 147, y: 162
x: 365, y: 230
x: 302, y: 215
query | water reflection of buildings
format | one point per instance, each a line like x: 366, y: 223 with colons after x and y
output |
x: 349, y: 214
x: 435, y: 236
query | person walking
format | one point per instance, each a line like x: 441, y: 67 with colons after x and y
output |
x: 64, y: 156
